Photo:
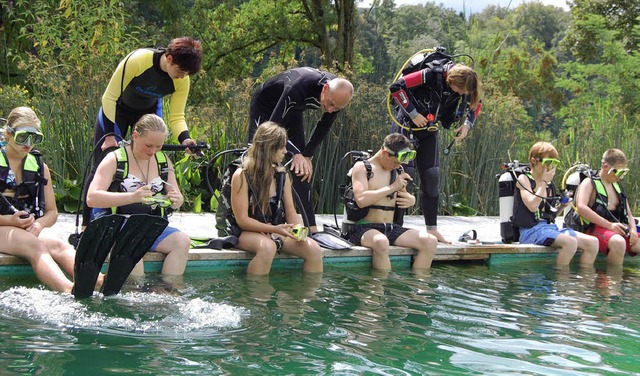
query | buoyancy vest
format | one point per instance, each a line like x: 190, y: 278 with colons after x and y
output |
x: 523, y: 217
x: 122, y: 171
x: 356, y: 213
x: 29, y: 194
x: 600, y: 206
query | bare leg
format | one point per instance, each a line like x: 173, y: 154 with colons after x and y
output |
x: 308, y: 250
x: 425, y: 244
x: 176, y: 247
x: 379, y: 244
x: 568, y: 246
x: 264, y: 249
x: 589, y: 246
x: 617, y: 249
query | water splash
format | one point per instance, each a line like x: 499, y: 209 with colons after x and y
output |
x: 148, y: 312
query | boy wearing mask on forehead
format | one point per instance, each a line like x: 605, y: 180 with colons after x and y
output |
x: 381, y: 195
x: 602, y: 202
x: 534, y: 212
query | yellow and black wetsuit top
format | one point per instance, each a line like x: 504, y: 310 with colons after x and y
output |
x: 138, y: 86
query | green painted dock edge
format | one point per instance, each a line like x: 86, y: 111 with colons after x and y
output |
x: 208, y: 259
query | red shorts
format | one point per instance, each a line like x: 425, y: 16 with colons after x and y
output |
x: 603, y: 236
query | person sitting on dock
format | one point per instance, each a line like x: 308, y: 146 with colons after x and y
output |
x: 263, y: 205
x: 534, y: 209
x: 129, y: 179
x: 28, y: 205
x: 379, y: 184
x: 602, y: 202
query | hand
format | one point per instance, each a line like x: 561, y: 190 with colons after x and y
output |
x: 284, y: 230
x: 619, y: 228
x: 633, y: 238
x: 405, y: 199
x: 420, y: 121
x: 188, y: 142
x: 302, y: 166
x: 461, y: 132
x: 35, y: 228
x: 176, y: 198
x: 401, y: 182
x: 548, y: 175
x: 23, y: 223
x: 109, y: 142
x: 141, y: 193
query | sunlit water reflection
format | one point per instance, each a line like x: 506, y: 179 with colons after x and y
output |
x: 528, y: 319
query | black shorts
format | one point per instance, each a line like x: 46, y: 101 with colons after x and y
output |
x: 390, y: 230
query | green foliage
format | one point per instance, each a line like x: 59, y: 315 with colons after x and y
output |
x: 59, y: 55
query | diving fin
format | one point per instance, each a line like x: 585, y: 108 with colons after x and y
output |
x: 137, y: 235
x: 93, y: 248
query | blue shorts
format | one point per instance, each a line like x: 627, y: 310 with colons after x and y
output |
x: 167, y: 231
x: 543, y: 233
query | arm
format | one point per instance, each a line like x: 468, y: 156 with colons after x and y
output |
x: 363, y: 195
x: 177, y: 104
x: 51, y: 210
x: 399, y: 94
x: 291, y: 215
x: 173, y: 190
x: 464, y: 129
x: 98, y: 195
x: 320, y: 131
x: 531, y: 199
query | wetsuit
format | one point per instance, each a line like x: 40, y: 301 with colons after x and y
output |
x: 283, y: 99
x: 135, y: 89
x: 426, y: 92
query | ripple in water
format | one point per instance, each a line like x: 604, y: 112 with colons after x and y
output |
x: 148, y: 311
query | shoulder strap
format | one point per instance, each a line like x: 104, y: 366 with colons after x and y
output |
x: 367, y: 165
x: 122, y: 168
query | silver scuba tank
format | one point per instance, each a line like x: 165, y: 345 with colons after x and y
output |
x: 506, y: 190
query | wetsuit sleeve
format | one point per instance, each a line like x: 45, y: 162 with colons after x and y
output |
x: 320, y: 131
x: 399, y: 88
x: 136, y: 62
x: 472, y: 116
x: 177, y: 104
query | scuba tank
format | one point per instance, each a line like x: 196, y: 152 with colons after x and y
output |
x: 506, y: 190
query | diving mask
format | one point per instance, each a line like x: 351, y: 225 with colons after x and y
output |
x: 26, y: 136
x: 405, y: 155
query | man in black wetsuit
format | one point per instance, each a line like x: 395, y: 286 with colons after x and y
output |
x: 283, y: 99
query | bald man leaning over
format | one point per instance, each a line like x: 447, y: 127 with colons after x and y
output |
x: 283, y: 99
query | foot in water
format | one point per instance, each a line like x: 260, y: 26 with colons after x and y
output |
x: 438, y: 235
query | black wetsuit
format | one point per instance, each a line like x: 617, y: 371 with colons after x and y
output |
x: 283, y: 99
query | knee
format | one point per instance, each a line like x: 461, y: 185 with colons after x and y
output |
x: 380, y: 244
x: 314, y: 252
x: 571, y: 242
x: 617, y: 244
x: 180, y: 244
x: 427, y: 242
x: 430, y: 181
x: 267, y: 249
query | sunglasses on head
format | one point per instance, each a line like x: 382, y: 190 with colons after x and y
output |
x: 620, y: 172
x: 549, y: 162
x: 404, y: 155
x: 26, y: 136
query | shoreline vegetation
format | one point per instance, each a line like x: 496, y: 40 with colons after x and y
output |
x: 571, y: 80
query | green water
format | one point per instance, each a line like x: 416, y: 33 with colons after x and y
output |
x: 463, y: 319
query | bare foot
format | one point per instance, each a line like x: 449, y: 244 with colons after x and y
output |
x: 438, y: 236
